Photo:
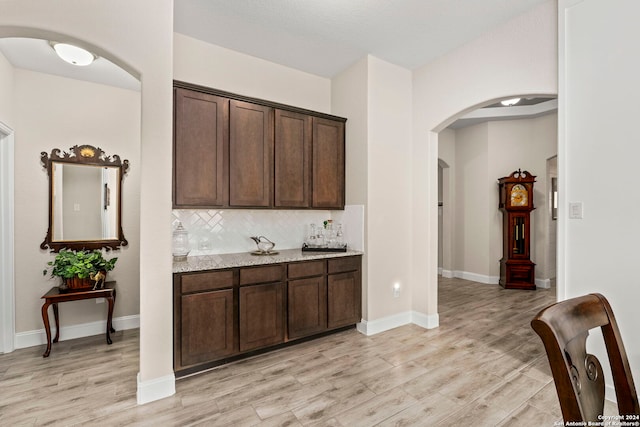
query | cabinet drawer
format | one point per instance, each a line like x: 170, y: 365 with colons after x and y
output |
x: 272, y: 273
x: 305, y: 269
x: 210, y: 280
x: 339, y: 265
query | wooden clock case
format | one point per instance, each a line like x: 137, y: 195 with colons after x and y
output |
x: 516, y: 203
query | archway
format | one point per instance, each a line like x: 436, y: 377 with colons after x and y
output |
x: 55, y: 130
x: 490, y: 276
x: 141, y: 43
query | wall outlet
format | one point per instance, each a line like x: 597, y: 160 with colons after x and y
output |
x: 100, y: 300
x: 396, y: 290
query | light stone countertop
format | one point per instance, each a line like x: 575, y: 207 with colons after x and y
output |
x: 220, y: 261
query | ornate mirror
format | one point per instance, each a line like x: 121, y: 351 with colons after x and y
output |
x: 85, y: 199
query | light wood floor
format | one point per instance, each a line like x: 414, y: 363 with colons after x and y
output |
x: 483, y: 366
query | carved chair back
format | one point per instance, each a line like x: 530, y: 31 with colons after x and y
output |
x: 564, y: 328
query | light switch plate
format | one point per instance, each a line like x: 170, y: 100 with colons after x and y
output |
x: 575, y: 210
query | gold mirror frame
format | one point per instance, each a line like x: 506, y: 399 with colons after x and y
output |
x: 89, y: 156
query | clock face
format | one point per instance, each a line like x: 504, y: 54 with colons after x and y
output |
x: 519, y: 195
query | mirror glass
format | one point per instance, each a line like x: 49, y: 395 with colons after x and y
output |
x: 83, y: 206
x: 85, y: 199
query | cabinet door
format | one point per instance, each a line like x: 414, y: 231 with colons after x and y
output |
x: 328, y: 164
x: 261, y: 316
x: 250, y: 155
x: 292, y: 159
x: 206, y: 327
x: 200, y: 149
x: 343, y: 294
x: 307, y: 306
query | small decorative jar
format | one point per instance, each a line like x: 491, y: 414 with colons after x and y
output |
x: 180, y: 243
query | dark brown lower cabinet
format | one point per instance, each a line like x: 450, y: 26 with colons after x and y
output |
x: 207, y: 326
x: 344, y: 290
x: 221, y: 314
x: 307, y: 306
x: 261, y: 316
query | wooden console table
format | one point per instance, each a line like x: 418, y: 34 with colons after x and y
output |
x: 54, y: 296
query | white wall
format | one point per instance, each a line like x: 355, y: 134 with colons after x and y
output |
x: 7, y: 164
x: 137, y: 36
x: 82, y: 204
x: 518, y: 58
x: 389, y: 175
x: 6, y: 91
x: 524, y: 144
x: 471, y: 255
x: 219, y: 68
x: 597, y: 159
x: 376, y: 96
x: 349, y: 99
x: 447, y: 234
x: 57, y: 112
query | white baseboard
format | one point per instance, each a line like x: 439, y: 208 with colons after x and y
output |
x: 39, y: 337
x: 427, y: 321
x: 155, y: 389
x: 490, y: 280
x: 474, y: 277
x: 543, y: 283
x: 372, y: 327
x: 447, y: 274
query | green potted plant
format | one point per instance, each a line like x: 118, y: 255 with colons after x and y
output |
x: 80, y: 269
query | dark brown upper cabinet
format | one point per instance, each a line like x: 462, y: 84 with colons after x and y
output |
x: 250, y: 155
x: 201, y: 150
x: 292, y: 159
x: 240, y: 152
x: 328, y: 164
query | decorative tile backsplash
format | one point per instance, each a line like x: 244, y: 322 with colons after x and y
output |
x: 228, y: 231
x: 214, y: 232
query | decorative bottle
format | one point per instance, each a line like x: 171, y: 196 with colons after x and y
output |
x: 180, y: 243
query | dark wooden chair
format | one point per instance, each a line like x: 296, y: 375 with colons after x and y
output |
x: 563, y: 328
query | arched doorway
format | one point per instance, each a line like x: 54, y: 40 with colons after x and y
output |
x: 51, y: 110
x: 480, y: 156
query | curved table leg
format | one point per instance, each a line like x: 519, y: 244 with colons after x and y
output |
x: 57, y: 319
x: 47, y: 328
x: 110, y: 329
x: 114, y: 304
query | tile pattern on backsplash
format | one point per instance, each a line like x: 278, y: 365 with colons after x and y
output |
x: 228, y: 231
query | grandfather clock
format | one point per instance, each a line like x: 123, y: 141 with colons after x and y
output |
x: 516, y: 203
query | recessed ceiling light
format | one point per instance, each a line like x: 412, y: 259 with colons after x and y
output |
x: 73, y: 54
x: 510, y: 102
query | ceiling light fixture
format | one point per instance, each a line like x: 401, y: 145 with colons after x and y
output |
x: 510, y: 102
x: 73, y: 54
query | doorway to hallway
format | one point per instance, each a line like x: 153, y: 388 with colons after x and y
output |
x: 472, y: 155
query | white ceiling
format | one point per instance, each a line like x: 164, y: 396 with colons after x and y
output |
x: 324, y: 37
x: 528, y: 108
x: 321, y: 37
x: 38, y: 55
